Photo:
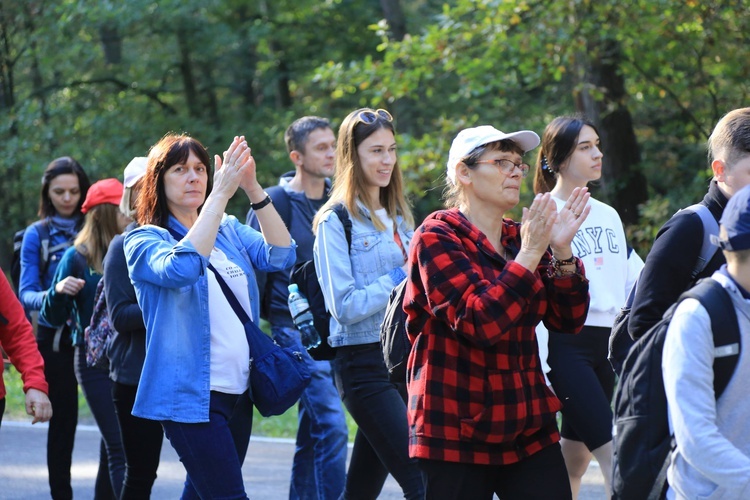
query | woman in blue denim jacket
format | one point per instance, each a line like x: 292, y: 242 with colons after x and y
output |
x: 70, y: 299
x: 196, y: 371
x: 64, y: 188
x: 356, y: 283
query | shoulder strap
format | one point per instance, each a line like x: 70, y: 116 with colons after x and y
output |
x: 710, y: 227
x: 725, y: 328
x: 343, y: 215
x: 282, y: 203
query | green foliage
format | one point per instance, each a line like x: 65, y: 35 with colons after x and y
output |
x: 102, y: 81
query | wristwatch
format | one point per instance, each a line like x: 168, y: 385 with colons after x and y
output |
x: 266, y: 201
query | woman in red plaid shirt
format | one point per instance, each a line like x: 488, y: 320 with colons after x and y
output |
x: 481, y: 418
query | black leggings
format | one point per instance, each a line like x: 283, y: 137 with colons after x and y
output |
x: 541, y: 476
x: 584, y: 381
x: 141, y: 441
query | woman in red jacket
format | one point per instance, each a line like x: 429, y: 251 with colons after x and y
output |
x: 481, y: 418
x: 18, y: 342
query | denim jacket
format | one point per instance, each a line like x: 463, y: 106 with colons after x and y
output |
x: 172, y: 289
x: 31, y: 290
x: 356, y: 284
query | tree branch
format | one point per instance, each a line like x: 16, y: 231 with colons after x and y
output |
x: 672, y: 95
x: 151, y: 94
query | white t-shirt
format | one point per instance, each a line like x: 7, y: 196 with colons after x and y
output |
x: 230, y: 354
x: 382, y: 214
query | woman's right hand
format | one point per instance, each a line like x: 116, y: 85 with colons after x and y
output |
x: 230, y: 172
x: 536, y: 230
x: 70, y: 285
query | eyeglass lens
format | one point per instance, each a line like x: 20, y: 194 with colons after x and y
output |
x: 369, y: 117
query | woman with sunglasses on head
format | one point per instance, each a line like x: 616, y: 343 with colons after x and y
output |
x: 70, y: 299
x: 356, y: 283
x: 481, y: 417
x: 196, y: 370
x: 64, y: 188
x: 580, y: 374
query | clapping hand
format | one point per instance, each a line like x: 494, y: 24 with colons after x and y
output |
x: 237, y: 168
x: 569, y: 220
x: 537, y: 224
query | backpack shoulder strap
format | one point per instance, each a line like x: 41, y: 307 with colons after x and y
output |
x: 343, y: 215
x: 710, y: 227
x: 42, y: 229
x: 282, y: 203
x: 725, y: 328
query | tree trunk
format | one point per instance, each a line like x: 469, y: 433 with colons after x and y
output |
x: 188, y: 79
x: 394, y: 14
x: 622, y: 184
x: 111, y: 43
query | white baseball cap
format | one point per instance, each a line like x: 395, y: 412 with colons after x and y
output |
x: 135, y: 170
x: 471, y: 138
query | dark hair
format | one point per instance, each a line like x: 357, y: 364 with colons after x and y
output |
x: 151, y: 205
x: 453, y: 194
x: 61, y: 166
x: 299, y: 131
x: 558, y: 144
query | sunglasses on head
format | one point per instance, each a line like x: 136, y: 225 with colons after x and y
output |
x: 369, y: 117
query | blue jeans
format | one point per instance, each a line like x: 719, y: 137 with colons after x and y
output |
x: 213, y: 452
x: 382, y: 441
x: 319, y: 467
x: 97, y: 389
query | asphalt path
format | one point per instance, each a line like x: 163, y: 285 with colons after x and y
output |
x: 23, y: 469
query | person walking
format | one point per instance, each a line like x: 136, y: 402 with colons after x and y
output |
x: 356, y: 282
x: 17, y: 341
x: 141, y: 438
x: 481, y: 417
x: 196, y: 370
x: 319, y: 466
x: 711, y: 454
x: 64, y: 188
x: 70, y: 300
x: 581, y: 375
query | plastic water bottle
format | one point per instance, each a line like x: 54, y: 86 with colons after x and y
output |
x: 303, y: 318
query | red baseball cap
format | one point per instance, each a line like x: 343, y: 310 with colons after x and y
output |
x: 104, y: 191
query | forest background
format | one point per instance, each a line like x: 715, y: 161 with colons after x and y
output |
x: 103, y: 80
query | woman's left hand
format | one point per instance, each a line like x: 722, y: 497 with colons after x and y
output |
x: 237, y: 168
x: 569, y: 220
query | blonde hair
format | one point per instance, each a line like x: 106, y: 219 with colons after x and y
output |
x: 99, y: 229
x: 349, y: 182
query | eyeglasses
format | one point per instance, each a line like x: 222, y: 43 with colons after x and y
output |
x: 507, y: 166
x: 369, y: 117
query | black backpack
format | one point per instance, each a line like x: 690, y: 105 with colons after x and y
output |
x: 641, y: 438
x: 393, y: 339
x: 620, y: 340
x: 42, y: 227
x: 303, y: 274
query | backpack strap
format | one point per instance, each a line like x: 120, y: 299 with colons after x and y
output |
x: 282, y: 203
x: 725, y: 328
x: 343, y: 215
x: 708, y: 248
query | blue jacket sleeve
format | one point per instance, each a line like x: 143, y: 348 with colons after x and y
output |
x: 31, y: 289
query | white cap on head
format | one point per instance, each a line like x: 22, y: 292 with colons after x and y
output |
x: 471, y: 138
x: 135, y: 170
